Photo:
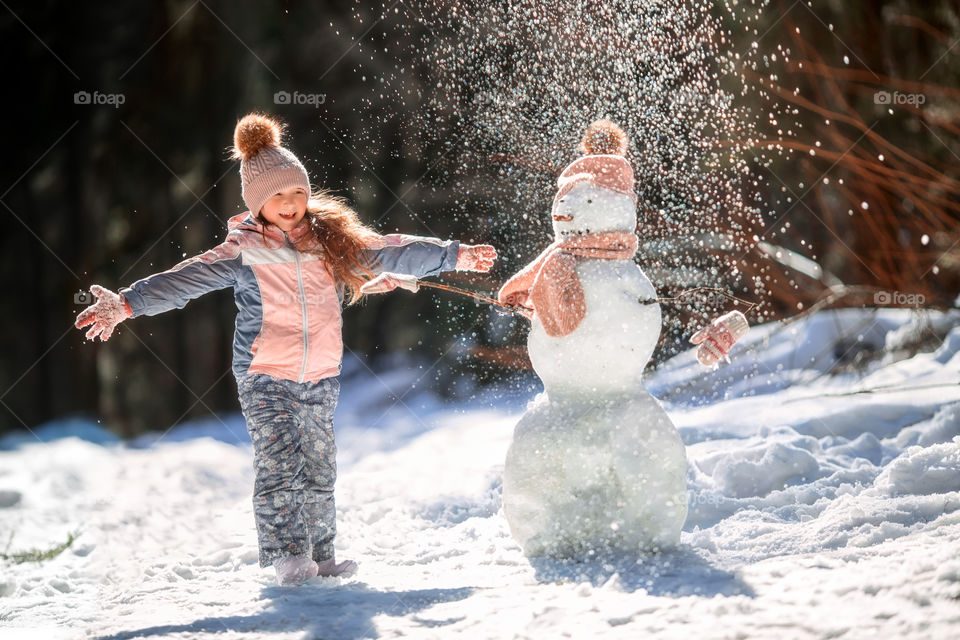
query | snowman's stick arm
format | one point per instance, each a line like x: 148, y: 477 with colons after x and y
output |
x: 472, y: 294
x: 749, y: 305
x: 520, y: 310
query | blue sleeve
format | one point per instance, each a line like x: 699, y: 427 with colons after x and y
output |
x: 414, y: 255
x: 174, y: 288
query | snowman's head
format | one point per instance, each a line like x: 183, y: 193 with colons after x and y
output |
x: 587, y: 208
x: 595, y: 192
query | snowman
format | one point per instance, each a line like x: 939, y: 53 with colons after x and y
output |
x: 595, y: 462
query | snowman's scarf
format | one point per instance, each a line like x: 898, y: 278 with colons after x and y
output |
x: 550, y: 284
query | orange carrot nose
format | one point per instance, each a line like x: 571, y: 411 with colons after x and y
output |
x: 560, y: 218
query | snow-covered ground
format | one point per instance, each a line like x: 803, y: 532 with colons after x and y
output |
x: 822, y: 505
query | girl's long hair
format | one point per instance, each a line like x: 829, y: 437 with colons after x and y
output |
x: 338, y: 238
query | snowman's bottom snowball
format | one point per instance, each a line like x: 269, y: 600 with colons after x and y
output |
x: 595, y: 474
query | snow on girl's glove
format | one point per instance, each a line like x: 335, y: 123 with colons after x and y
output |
x: 389, y: 281
x: 478, y: 257
x: 716, y: 339
x: 105, y: 314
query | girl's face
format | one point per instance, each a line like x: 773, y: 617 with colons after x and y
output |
x: 286, y: 208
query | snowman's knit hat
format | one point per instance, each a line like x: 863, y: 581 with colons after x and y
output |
x: 604, y: 165
x: 265, y: 167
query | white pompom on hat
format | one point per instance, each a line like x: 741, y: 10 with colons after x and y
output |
x: 266, y: 168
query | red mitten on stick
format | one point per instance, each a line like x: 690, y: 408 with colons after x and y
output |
x: 716, y: 339
x: 105, y: 314
x: 518, y: 301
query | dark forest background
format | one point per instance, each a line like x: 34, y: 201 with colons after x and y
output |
x: 97, y: 193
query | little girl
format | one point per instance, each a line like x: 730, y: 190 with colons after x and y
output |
x: 290, y: 259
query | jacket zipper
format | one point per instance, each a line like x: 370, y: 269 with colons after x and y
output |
x: 303, y: 308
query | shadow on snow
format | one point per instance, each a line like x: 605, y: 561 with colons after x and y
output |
x: 341, y: 612
x: 676, y: 573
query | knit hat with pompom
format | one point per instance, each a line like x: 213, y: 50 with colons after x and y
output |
x: 266, y: 168
x: 604, y: 164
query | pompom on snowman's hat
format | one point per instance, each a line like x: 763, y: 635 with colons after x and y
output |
x: 603, y: 137
x: 604, y: 164
x: 266, y: 168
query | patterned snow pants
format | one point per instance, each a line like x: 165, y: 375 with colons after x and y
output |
x: 291, y: 426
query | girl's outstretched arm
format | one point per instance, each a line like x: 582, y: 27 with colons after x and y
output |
x: 412, y: 255
x: 171, y: 289
x: 421, y: 257
x: 174, y: 288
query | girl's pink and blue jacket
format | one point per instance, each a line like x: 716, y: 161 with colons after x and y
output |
x: 289, y: 320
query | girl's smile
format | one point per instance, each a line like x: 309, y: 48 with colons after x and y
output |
x: 286, y: 208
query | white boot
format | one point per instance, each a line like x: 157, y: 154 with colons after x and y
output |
x: 294, y: 569
x: 329, y: 568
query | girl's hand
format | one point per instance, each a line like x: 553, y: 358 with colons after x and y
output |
x: 478, y: 257
x: 716, y: 339
x: 105, y: 314
x: 389, y: 281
